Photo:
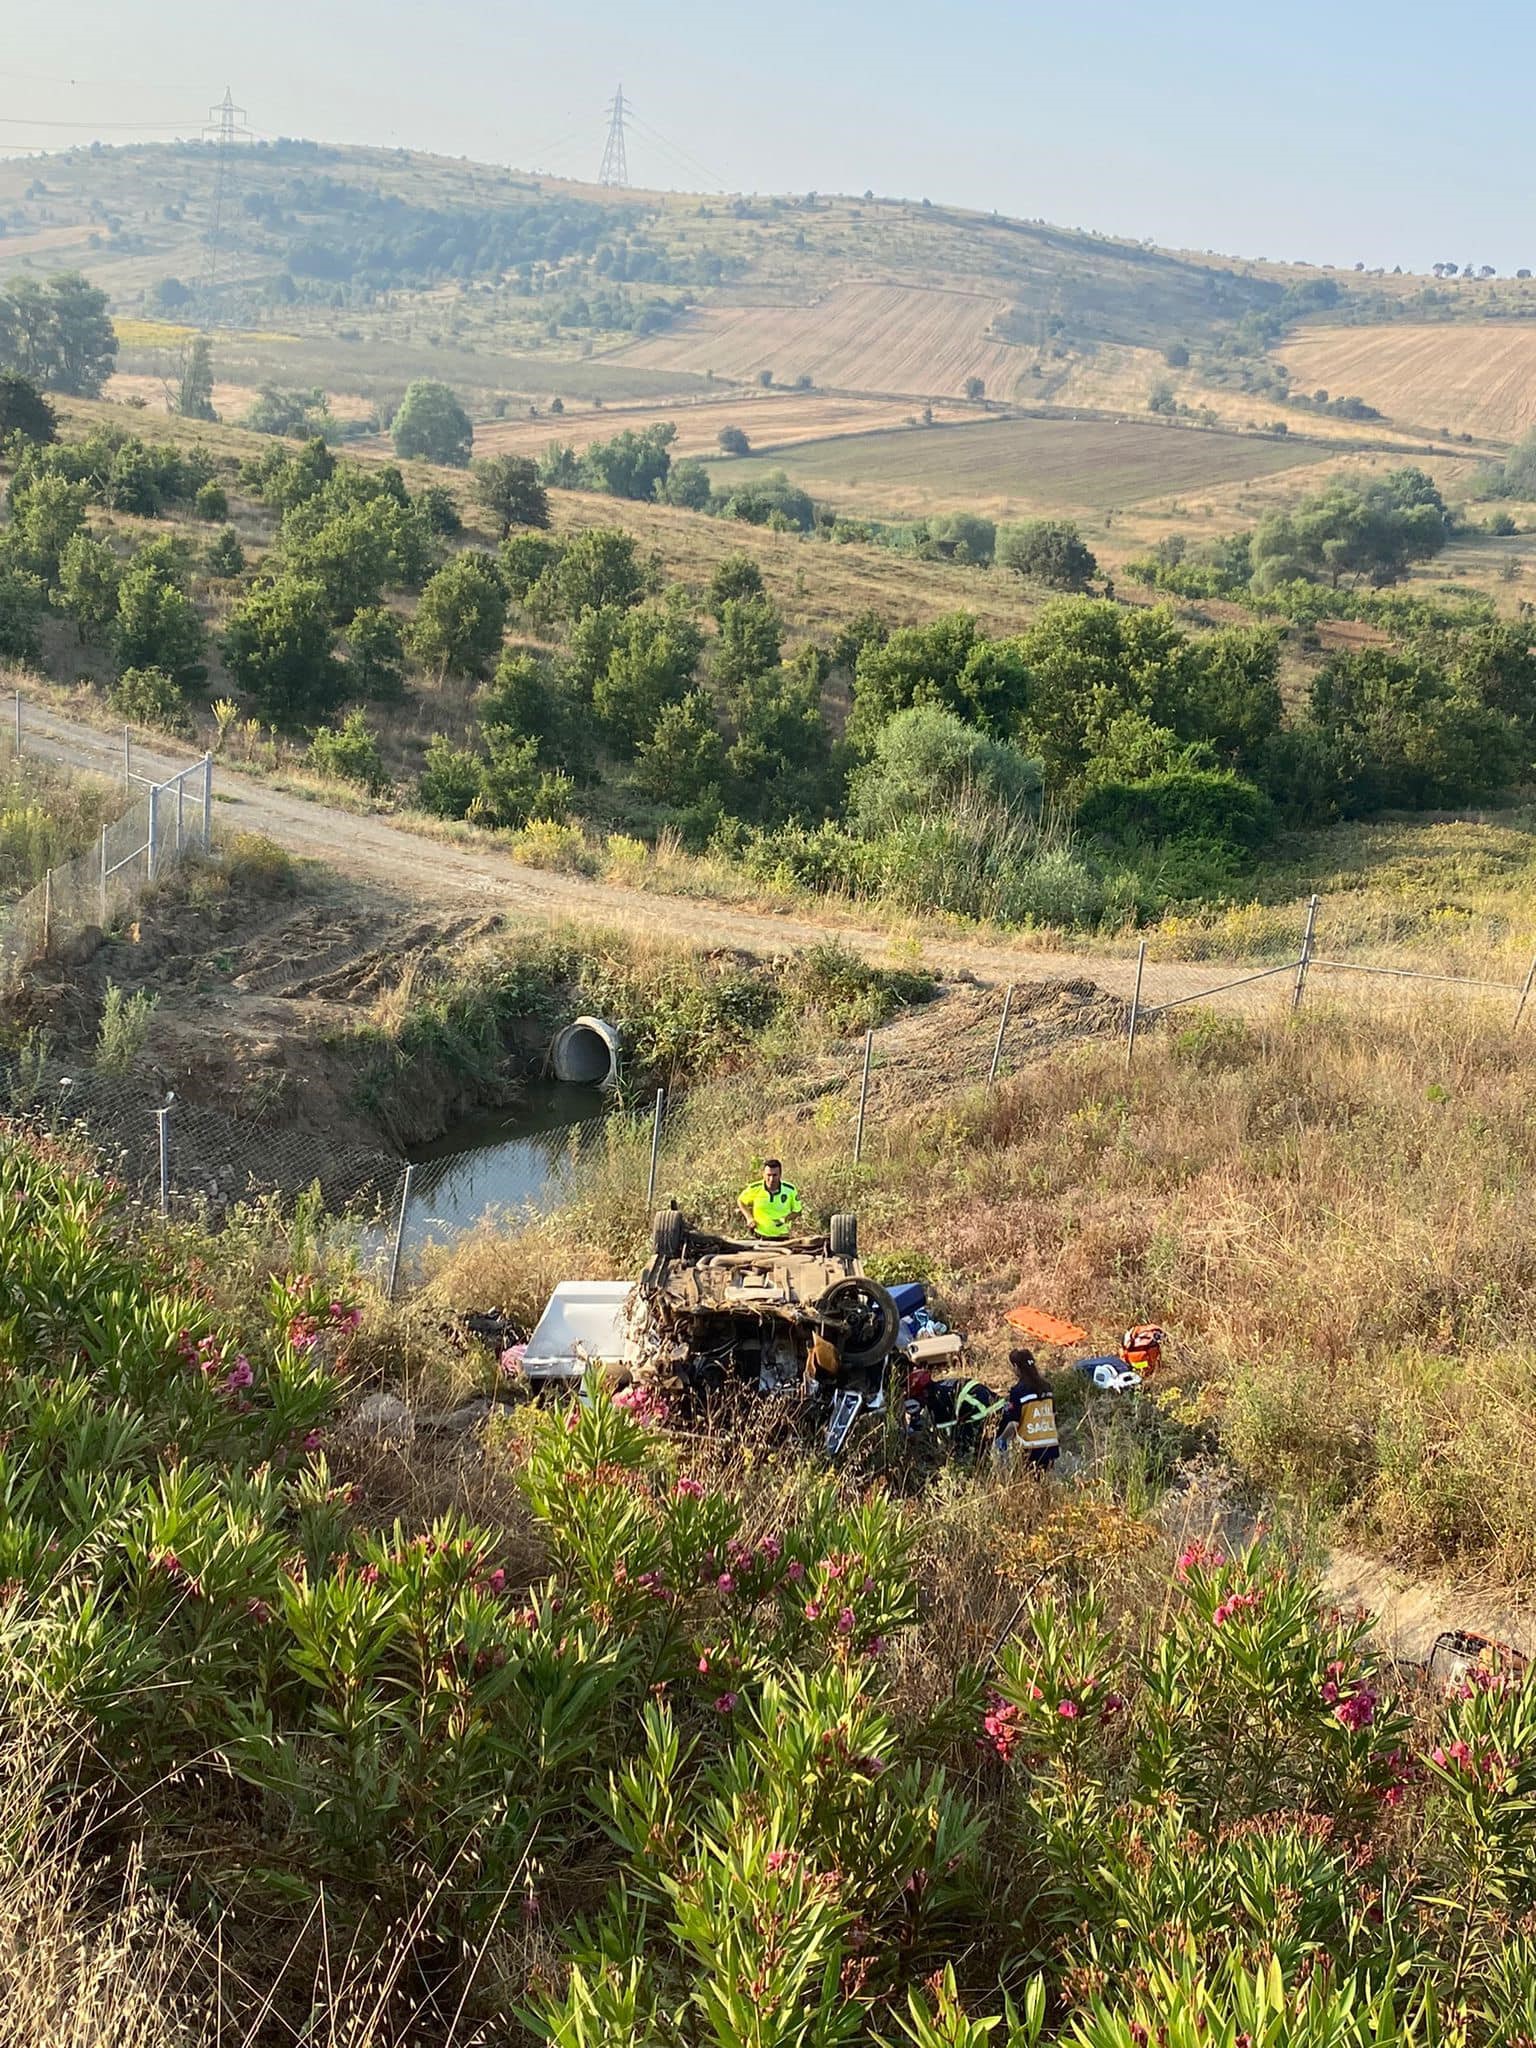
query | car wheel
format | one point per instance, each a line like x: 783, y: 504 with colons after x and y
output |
x: 843, y: 1237
x: 669, y: 1233
x: 866, y: 1321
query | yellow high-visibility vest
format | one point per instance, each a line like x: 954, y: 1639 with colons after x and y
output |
x: 772, y: 1213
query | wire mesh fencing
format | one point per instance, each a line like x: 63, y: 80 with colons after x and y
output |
x: 155, y: 830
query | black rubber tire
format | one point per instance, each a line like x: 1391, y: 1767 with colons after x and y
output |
x: 876, y: 1314
x: 843, y: 1237
x: 669, y: 1233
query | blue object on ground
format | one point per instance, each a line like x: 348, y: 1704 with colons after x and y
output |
x: 909, y: 1296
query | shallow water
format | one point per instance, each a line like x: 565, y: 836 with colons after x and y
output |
x: 503, y: 1162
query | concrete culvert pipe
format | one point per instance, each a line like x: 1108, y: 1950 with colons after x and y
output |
x: 586, y: 1051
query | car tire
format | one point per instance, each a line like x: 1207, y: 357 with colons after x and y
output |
x: 876, y: 1315
x: 669, y: 1233
x: 843, y: 1237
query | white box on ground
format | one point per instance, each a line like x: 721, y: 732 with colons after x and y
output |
x: 585, y: 1323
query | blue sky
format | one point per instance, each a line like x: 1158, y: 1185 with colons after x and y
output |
x: 1388, y: 133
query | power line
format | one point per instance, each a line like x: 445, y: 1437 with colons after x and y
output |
x: 615, y: 165
x: 685, y: 157
x: 226, y: 121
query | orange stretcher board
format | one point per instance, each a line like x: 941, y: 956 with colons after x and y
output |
x: 1036, y: 1322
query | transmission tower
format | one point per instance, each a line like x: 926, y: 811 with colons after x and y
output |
x: 615, y: 167
x: 225, y: 122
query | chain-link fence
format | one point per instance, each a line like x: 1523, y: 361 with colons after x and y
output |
x: 157, y: 827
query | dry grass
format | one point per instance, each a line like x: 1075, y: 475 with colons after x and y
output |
x: 1332, y: 1222
x: 770, y: 420
x: 1477, y: 377
x: 884, y: 338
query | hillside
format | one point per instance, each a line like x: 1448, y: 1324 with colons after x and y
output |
x: 356, y: 269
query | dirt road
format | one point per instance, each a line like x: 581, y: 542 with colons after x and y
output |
x: 436, y: 874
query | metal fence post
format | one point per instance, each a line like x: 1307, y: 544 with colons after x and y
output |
x: 47, y: 910
x: 18, y: 724
x: 394, y: 1256
x: 181, y: 786
x: 1130, y: 1032
x: 1306, y: 954
x: 858, y: 1136
x: 650, y: 1186
x: 1002, y: 1026
x: 207, y: 803
x: 154, y: 828
x: 1525, y: 994
x: 103, y: 919
x: 163, y: 1116
x: 127, y: 760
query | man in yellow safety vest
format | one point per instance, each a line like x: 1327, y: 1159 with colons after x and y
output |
x: 771, y: 1204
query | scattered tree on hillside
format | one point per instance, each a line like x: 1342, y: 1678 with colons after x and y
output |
x: 432, y: 426
x: 1368, y: 532
x: 634, y: 464
x: 461, y: 617
x: 508, y: 487
x: 24, y: 411
x: 21, y: 612
x: 225, y: 555
x: 599, y: 567
x: 975, y: 388
x: 194, y: 396
x: 296, y: 415
x: 688, y: 485
x: 158, y: 625
x: 57, y: 333
x: 733, y: 576
x: 1048, y: 551
x: 88, y: 585
x: 278, y: 648
x: 733, y: 441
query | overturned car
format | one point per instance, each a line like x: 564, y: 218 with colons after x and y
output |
x: 712, y: 1313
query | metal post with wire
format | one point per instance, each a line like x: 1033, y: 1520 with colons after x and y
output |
x: 18, y: 724
x: 1002, y: 1027
x: 47, y: 911
x: 153, y: 849
x: 394, y: 1255
x: 1135, y: 1016
x: 1306, y: 954
x: 650, y: 1186
x: 163, y: 1118
x: 207, y: 803
x: 127, y: 760
x: 1525, y: 993
x: 858, y: 1136
x: 102, y: 920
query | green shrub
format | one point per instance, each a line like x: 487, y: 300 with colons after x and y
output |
x: 148, y: 696
x: 1203, y: 806
x: 211, y: 502
x: 350, y: 753
x: 124, y: 1028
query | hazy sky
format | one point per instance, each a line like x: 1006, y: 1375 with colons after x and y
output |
x: 1381, y: 130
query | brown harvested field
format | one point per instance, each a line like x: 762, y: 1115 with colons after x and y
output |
x: 1013, y: 466
x: 230, y: 401
x: 895, y: 338
x: 1475, y: 378
x: 769, y: 421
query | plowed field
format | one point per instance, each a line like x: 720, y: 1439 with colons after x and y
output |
x: 860, y: 337
x: 1477, y: 378
x: 1004, y: 467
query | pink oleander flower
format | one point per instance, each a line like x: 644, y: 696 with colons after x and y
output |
x: 726, y: 1703
x: 770, y: 1550
x: 239, y: 1375
x: 795, y: 1570
x: 1359, y: 1710
x: 812, y: 1610
x: 845, y: 1621
x: 875, y: 1647
x: 726, y: 1583
x: 314, y: 1440
x: 259, y: 1611
x: 1000, y: 1726
x: 1068, y: 1710
x: 497, y: 1582
x: 169, y: 1563
x: 688, y: 1489
x: 1114, y: 1703
x: 780, y: 1859
x: 704, y: 1666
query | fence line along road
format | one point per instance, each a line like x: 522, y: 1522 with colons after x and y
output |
x: 367, y: 846
x: 432, y: 871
